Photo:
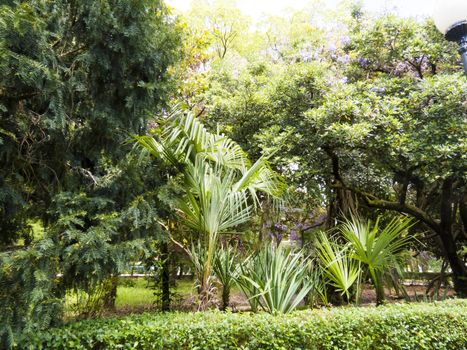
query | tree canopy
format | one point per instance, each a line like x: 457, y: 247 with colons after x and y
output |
x: 358, y: 114
x: 76, y: 77
x: 370, y: 113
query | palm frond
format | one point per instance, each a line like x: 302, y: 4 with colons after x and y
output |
x: 376, y: 248
x: 337, y: 264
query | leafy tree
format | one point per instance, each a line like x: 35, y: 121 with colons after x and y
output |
x: 397, y: 46
x: 405, y: 138
x: 223, y: 22
x: 75, y: 77
x: 294, y: 37
x: 191, y: 74
x: 375, y: 122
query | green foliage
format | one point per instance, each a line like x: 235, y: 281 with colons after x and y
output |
x: 226, y: 270
x: 74, y: 78
x: 30, y: 296
x: 360, y: 248
x: 222, y: 22
x: 398, y: 46
x: 79, y: 303
x: 337, y: 264
x: 399, y: 144
x: 378, y: 249
x: 368, y: 115
x: 371, y: 116
x: 74, y: 255
x: 276, y: 279
x: 220, y: 185
x: 410, y: 326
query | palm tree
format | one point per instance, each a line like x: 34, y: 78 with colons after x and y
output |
x: 221, y: 186
x: 379, y: 249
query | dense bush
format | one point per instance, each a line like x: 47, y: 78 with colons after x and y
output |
x: 441, y: 325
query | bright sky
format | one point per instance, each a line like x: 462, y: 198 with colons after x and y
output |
x: 256, y: 8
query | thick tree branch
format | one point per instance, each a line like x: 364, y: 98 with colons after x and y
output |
x: 374, y: 202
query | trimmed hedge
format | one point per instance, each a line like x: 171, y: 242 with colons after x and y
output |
x: 440, y: 325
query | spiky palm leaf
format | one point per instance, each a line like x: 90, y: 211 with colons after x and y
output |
x: 276, y: 279
x: 337, y: 264
x: 185, y: 139
x: 210, y: 205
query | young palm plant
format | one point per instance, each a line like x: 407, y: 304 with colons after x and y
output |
x: 276, y: 279
x: 378, y: 249
x: 226, y: 270
x: 197, y: 254
x: 220, y: 184
x: 337, y: 264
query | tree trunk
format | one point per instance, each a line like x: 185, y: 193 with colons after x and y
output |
x: 165, y: 277
x: 463, y: 213
x: 379, y: 288
x: 110, y: 293
x: 458, y: 268
x: 459, y: 272
x: 343, y: 201
x: 204, y: 296
x: 225, y: 297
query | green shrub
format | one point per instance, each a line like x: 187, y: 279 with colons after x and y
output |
x: 441, y: 325
x: 276, y: 279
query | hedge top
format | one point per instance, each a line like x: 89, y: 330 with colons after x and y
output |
x: 439, y: 325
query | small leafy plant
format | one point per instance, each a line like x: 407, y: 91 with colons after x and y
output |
x: 276, y: 279
x: 226, y: 271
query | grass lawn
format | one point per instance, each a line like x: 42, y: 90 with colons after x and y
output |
x: 132, y: 294
x: 137, y: 292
